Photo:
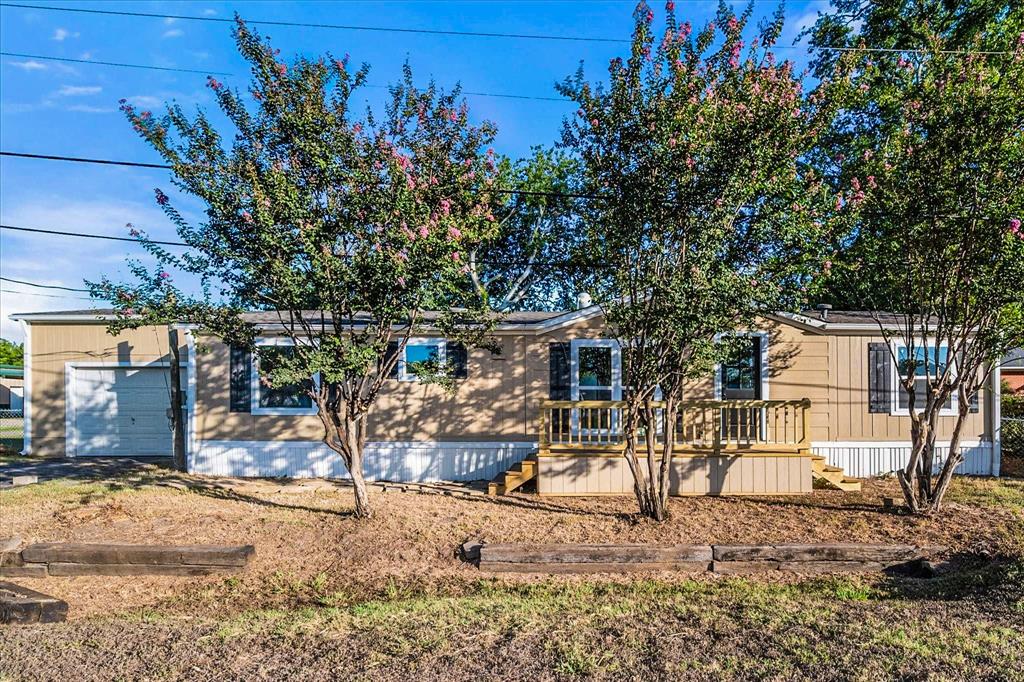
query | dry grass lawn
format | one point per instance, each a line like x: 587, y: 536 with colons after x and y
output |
x: 330, y: 597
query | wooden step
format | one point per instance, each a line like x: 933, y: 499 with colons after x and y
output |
x: 518, y: 474
x: 833, y: 476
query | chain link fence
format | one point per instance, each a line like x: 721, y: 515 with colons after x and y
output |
x: 11, y: 426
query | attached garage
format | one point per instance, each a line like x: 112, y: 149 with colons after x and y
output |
x: 118, y: 411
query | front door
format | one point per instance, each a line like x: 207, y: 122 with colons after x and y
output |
x: 740, y: 378
x: 596, y: 375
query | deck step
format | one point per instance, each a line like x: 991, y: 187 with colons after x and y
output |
x: 833, y: 476
x: 517, y: 475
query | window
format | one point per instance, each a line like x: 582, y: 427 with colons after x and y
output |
x: 417, y: 353
x: 280, y: 400
x: 922, y: 374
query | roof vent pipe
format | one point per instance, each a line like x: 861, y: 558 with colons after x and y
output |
x: 823, y: 309
x: 583, y: 300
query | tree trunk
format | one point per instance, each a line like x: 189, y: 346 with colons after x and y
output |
x: 177, y: 413
x: 354, y: 445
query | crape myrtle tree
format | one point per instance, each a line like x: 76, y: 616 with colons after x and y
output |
x: 707, y: 218
x: 349, y: 227
x: 934, y: 137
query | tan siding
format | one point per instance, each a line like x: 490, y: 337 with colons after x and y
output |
x: 746, y: 475
x: 53, y: 345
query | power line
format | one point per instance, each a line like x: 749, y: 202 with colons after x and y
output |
x: 41, y: 286
x: 476, y: 34
x: 226, y: 73
x: 58, y: 296
x: 137, y: 164
x: 119, y: 64
x: 344, y: 27
x: 38, y: 230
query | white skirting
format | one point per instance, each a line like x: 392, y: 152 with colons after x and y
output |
x: 863, y: 459
x: 408, y: 462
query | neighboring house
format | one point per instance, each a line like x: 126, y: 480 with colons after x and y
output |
x: 11, y: 387
x: 1013, y: 371
x: 821, y: 386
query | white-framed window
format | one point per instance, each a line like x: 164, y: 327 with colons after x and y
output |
x: 282, y: 400
x: 418, y: 351
x: 936, y: 365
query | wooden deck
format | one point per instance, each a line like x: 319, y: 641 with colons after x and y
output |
x: 722, y: 447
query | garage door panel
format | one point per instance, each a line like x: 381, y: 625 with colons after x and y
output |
x: 122, y: 411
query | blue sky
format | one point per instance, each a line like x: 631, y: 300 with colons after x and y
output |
x: 70, y: 109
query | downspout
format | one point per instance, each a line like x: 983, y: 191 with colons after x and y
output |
x: 997, y: 418
x: 26, y: 406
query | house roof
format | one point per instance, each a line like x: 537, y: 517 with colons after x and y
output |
x: 535, y: 321
x: 12, y: 371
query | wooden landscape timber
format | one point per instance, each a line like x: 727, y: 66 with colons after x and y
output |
x: 726, y: 559
x: 20, y: 605
x: 70, y: 559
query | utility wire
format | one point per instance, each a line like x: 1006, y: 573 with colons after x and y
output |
x: 159, y: 166
x: 226, y: 73
x: 344, y: 27
x: 32, y: 293
x: 477, y: 34
x: 119, y: 64
x: 41, y: 286
x: 38, y: 230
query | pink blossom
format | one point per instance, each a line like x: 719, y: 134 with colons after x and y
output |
x: 855, y: 184
x: 455, y: 256
x: 868, y: 154
x: 672, y: 142
x: 828, y: 265
x: 1015, y: 227
x: 690, y: 163
x: 593, y: 122
x: 161, y: 198
x: 453, y: 115
x: 401, y: 282
x: 871, y: 182
x: 164, y: 275
x: 670, y: 6
x: 213, y: 83
x: 455, y: 233
x: 446, y: 207
x: 424, y: 231
x: 402, y: 256
x: 357, y: 128
x: 282, y: 69
x: 246, y: 216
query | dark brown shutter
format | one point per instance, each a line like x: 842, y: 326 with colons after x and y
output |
x: 241, y: 379
x: 457, y: 357
x: 391, y: 352
x: 560, y: 383
x: 879, y: 378
x: 976, y: 401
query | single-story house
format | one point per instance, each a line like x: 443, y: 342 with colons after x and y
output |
x: 12, y: 382
x: 1013, y: 371
x: 817, y: 386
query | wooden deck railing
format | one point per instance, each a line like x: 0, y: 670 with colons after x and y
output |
x: 706, y: 425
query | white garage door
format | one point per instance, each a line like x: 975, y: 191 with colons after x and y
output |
x: 120, y: 411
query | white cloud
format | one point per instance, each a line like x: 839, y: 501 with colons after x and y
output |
x: 30, y: 65
x: 174, y: 33
x: 79, y: 90
x: 62, y: 33
x: 170, y: 20
x: 85, y: 55
x: 89, y: 109
x: 209, y: 12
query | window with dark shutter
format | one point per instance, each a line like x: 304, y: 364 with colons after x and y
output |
x: 241, y: 379
x: 560, y: 382
x: 391, y: 352
x: 457, y: 358
x: 879, y: 378
x: 976, y: 401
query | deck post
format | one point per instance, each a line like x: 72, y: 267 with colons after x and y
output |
x: 716, y: 429
x: 805, y: 440
x: 543, y: 441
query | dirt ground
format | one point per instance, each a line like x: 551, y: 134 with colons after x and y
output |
x: 329, y: 596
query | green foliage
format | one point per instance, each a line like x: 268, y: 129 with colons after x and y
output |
x: 11, y: 353
x: 929, y: 141
x: 525, y: 267
x: 711, y: 218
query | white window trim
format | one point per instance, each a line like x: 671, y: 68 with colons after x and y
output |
x: 895, y: 386
x: 254, y: 391
x: 442, y: 355
x: 574, y: 365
